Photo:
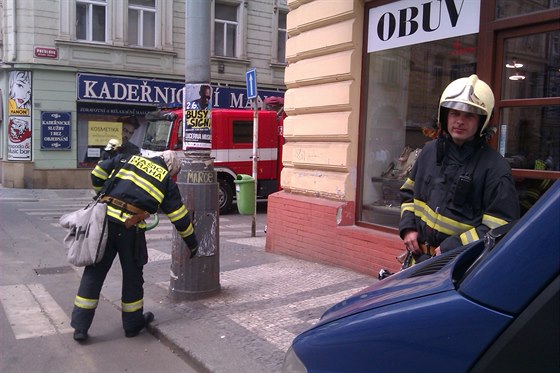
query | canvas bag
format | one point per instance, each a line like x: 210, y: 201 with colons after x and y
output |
x: 87, y: 236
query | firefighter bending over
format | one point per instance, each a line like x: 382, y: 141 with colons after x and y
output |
x: 137, y: 187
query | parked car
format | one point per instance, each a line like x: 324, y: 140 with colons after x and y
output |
x: 490, y: 306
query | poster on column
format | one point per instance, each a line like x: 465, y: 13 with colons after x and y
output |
x: 197, y: 117
x: 19, y: 116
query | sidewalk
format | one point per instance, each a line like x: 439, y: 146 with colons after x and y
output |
x: 265, y: 299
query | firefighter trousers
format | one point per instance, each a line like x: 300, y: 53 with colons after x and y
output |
x: 130, y: 245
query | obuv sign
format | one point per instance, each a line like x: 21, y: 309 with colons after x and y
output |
x: 410, y: 22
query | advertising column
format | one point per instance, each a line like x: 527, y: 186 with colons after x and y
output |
x: 19, y: 116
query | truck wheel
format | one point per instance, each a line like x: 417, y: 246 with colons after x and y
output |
x: 225, y: 196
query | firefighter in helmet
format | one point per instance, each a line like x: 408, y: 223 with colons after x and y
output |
x: 111, y: 149
x: 460, y: 187
x: 133, y: 188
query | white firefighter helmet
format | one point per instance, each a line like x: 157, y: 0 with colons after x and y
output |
x: 113, y: 144
x: 467, y: 94
x: 172, y: 161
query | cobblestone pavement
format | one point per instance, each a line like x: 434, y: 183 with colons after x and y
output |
x: 264, y: 302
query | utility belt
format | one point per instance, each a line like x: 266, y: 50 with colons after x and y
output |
x: 137, y: 213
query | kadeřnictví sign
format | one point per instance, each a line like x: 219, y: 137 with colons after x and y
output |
x: 128, y: 90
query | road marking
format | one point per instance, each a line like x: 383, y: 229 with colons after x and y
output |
x: 32, y: 312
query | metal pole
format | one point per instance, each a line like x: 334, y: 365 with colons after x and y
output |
x: 198, y: 277
x: 255, y: 160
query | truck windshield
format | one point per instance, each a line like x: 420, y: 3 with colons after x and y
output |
x: 158, y: 133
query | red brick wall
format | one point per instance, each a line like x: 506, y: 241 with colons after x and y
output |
x: 308, y: 228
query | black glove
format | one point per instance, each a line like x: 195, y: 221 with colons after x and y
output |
x: 192, y: 244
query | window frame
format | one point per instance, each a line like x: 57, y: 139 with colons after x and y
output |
x: 276, y: 36
x: 241, y: 33
x: 141, y: 9
x: 89, y: 17
x: 225, y: 23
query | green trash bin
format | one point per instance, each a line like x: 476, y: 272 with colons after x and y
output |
x: 245, y: 192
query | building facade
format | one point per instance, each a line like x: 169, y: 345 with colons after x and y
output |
x: 73, y: 71
x: 364, y: 80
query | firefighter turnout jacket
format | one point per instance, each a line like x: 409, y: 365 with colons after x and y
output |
x: 146, y: 184
x: 428, y: 197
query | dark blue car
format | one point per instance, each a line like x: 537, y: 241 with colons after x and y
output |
x: 491, y: 306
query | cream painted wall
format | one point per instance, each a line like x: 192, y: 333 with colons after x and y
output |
x: 323, y: 78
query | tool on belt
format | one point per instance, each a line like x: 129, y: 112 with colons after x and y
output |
x: 407, y: 259
x: 137, y: 213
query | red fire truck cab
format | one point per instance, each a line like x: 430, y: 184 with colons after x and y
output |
x: 232, y: 146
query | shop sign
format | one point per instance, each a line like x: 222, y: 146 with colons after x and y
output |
x: 410, y: 22
x: 55, y: 130
x: 160, y: 93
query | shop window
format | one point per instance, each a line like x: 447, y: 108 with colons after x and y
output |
x: 91, y: 20
x: 225, y: 30
x: 512, y: 8
x: 529, y: 137
x: 403, y: 91
x: 531, y: 66
x: 142, y: 23
x: 97, y: 123
x: 530, y: 134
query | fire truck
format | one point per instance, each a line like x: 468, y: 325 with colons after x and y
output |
x: 232, y: 145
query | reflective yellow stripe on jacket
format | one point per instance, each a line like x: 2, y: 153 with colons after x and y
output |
x: 437, y: 221
x: 142, y: 183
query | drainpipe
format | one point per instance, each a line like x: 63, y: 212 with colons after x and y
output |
x: 12, y: 36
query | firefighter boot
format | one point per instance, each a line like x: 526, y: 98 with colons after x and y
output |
x: 148, y: 318
x: 80, y: 335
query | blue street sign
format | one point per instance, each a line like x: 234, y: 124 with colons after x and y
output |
x: 251, y: 80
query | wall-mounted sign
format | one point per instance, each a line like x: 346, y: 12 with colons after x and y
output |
x: 129, y: 90
x: 45, y: 52
x: 408, y: 22
x: 55, y: 130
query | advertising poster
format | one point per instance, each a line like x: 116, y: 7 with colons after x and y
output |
x: 197, y: 117
x: 99, y: 133
x: 19, y: 116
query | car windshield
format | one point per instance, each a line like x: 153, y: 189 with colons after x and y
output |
x: 158, y: 133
